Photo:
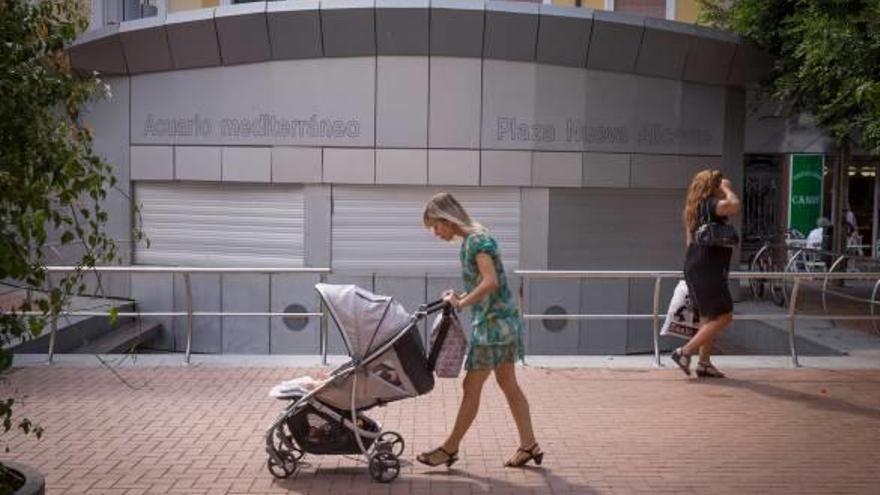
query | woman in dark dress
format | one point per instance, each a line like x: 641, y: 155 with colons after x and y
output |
x: 705, y: 269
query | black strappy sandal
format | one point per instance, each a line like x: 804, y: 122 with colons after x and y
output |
x: 708, y: 370
x: 682, y: 360
x: 538, y: 457
x: 429, y: 458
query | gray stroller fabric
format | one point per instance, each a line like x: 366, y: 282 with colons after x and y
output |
x: 366, y: 320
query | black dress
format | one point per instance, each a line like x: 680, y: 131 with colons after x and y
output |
x: 705, y: 272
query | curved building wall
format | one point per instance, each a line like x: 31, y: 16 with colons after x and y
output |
x: 570, y: 133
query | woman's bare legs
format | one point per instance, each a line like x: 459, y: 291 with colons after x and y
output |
x: 707, y: 332
x: 505, y: 375
x: 706, y: 351
x: 467, y: 410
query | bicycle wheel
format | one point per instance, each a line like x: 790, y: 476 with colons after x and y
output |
x: 758, y: 264
x: 776, y: 286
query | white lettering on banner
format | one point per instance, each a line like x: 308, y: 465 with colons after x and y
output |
x: 806, y: 200
x: 807, y: 174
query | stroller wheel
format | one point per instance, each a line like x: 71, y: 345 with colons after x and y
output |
x: 384, y: 467
x: 284, y: 442
x: 390, y: 441
x: 282, y: 470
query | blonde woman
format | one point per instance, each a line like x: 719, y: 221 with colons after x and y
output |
x: 706, y: 268
x: 496, y: 339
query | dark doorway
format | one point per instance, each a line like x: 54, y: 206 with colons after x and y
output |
x: 762, y: 200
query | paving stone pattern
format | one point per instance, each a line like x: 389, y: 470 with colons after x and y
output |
x: 199, y: 430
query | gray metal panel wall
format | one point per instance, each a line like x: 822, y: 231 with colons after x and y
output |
x: 564, y: 39
x: 302, y: 336
x: 108, y: 118
x: 511, y: 31
x: 154, y: 292
x: 615, y: 41
x: 603, y: 297
x: 554, y: 297
x: 246, y: 293
x: 236, y: 23
x: 192, y: 37
x: 626, y: 230
x: 348, y: 28
x: 294, y: 29
x: 146, y: 45
x: 664, y: 48
x: 402, y: 27
x: 99, y: 50
x: 207, y: 331
x: 457, y: 28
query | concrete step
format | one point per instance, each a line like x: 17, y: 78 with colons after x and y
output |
x: 122, y: 339
x: 74, y: 331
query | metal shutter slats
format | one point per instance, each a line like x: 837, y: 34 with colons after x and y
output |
x: 378, y: 229
x: 221, y: 224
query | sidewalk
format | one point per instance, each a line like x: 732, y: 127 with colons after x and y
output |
x: 167, y: 428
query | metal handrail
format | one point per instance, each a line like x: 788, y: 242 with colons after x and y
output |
x: 791, y: 315
x: 189, y: 313
x: 657, y: 276
x: 872, y: 302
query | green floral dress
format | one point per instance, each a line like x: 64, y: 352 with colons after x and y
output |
x: 496, y: 335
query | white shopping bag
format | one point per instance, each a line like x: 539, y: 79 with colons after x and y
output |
x: 682, y: 320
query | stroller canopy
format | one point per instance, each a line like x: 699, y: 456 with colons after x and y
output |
x: 365, y: 320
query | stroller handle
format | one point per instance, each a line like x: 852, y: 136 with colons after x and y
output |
x: 434, y: 306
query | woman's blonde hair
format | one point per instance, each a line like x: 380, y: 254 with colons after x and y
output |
x: 443, y: 206
x: 703, y: 185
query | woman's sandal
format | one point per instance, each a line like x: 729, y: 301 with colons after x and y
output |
x: 532, y: 453
x: 437, y: 457
x: 708, y: 370
x: 682, y: 360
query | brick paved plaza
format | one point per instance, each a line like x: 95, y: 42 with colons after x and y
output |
x: 199, y: 430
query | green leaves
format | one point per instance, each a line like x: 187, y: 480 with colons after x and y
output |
x: 52, y: 184
x: 827, y: 58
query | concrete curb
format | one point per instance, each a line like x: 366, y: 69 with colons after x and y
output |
x: 869, y: 359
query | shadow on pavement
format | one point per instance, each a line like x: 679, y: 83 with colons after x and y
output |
x: 815, y: 401
x: 440, y: 480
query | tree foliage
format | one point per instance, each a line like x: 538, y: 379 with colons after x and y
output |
x: 826, y: 59
x: 51, y: 182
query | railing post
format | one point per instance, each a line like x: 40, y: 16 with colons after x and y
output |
x: 791, y: 321
x: 825, y: 284
x: 522, y: 311
x: 874, y: 304
x: 323, y: 326
x: 189, y: 315
x: 53, y: 323
x: 656, y: 315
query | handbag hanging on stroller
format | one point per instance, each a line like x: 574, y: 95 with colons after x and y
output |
x: 388, y: 363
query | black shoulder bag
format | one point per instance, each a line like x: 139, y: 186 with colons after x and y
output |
x: 715, y: 233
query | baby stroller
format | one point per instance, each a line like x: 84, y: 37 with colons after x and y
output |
x: 388, y: 363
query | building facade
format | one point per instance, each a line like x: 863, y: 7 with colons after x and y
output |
x: 299, y: 133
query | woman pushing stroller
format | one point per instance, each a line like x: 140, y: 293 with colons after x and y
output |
x: 496, y: 340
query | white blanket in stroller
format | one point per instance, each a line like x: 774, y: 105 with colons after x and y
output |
x: 297, y: 386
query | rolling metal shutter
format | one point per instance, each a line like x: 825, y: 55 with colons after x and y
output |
x: 221, y: 224
x: 378, y: 229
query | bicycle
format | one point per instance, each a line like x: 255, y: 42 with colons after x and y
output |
x: 765, y: 261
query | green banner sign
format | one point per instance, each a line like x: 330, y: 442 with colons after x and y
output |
x: 805, y: 193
